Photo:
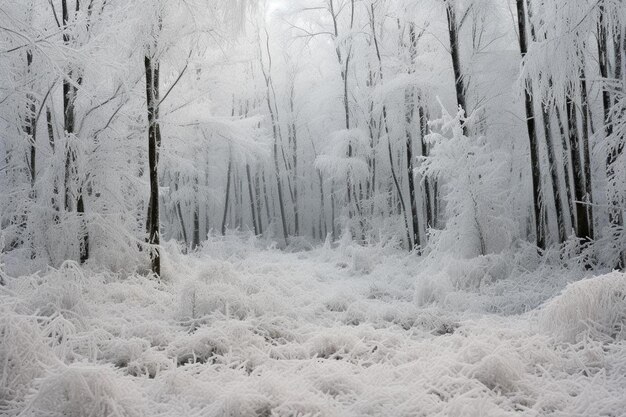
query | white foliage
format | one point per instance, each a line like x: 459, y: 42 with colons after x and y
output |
x: 474, y: 181
x: 84, y: 390
x: 336, y: 161
x: 594, y: 307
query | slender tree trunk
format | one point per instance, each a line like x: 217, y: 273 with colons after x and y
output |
x: 552, y: 161
x: 427, y: 193
x: 566, y: 167
x: 257, y: 189
x: 584, y: 110
x: 535, y: 162
x: 30, y: 128
x: 409, y: 116
x: 229, y: 175
x: 275, y: 132
x: 154, y: 141
x: 69, y: 96
x: 554, y: 175
x: 459, y: 84
x: 582, y: 224
x: 252, y: 201
x: 294, y: 143
x: 615, y: 212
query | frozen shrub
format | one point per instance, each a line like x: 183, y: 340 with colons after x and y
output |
x: 60, y: 292
x: 471, y: 274
x: 338, y: 303
x: 336, y: 384
x: 499, y: 371
x: 23, y: 355
x: 432, y: 289
x: 150, y: 363
x: 199, y: 346
x: 84, y: 390
x: 199, y: 299
x: 364, y: 259
x: 158, y: 333
x: 275, y: 331
x: 594, y: 307
x: 356, y: 314
x: 218, y: 272
x: 243, y: 404
x: 336, y: 345
x: 120, y: 352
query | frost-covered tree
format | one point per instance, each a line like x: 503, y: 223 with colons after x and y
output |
x: 475, y: 188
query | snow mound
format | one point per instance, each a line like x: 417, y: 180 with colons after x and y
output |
x: 594, y: 308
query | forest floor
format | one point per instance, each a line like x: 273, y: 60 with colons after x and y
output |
x: 238, y: 330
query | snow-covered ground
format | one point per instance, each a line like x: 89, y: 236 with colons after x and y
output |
x: 238, y: 330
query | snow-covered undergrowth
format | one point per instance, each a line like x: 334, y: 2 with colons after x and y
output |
x: 237, y: 330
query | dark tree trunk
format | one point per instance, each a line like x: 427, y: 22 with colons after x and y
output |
x: 566, y: 167
x: 30, y: 128
x: 459, y: 84
x: 252, y: 201
x: 69, y: 96
x: 554, y: 174
x: 259, y: 212
x: 294, y: 143
x: 196, y: 217
x: 409, y: 116
x: 615, y: 212
x: 229, y: 175
x: 582, y: 224
x: 154, y: 141
x: 535, y: 163
x: 584, y: 110
x: 423, y: 122
x: 179, y: 212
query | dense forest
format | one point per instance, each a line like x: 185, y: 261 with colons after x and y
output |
x: 439, y: 158
x: 468, y: 126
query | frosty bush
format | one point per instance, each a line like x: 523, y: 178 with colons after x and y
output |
x: 473, y: 172
x: 595, y: 307
x: 60, y: 292
x: 84, y: 390
x: 23, y: 355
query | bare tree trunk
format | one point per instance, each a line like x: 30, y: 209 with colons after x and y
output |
x: 229, y: 175
x: 69, y: 96
x: 427, y: 192
x: 275, y: 131
x: 535, y: 162
x: 257, y: 189
x: 30, y: 128
x: 582, y: 224
x: 615, y: 212
x: 554, y: 175
x: 552, y: 161
x: 294, y: 143
x: 459, y: 85
x: 179, y: 212
x: 252, y: 201
x: 584, y: 110
x: 154, y: 142
x: 409, y: 115
x: 566, y: 167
